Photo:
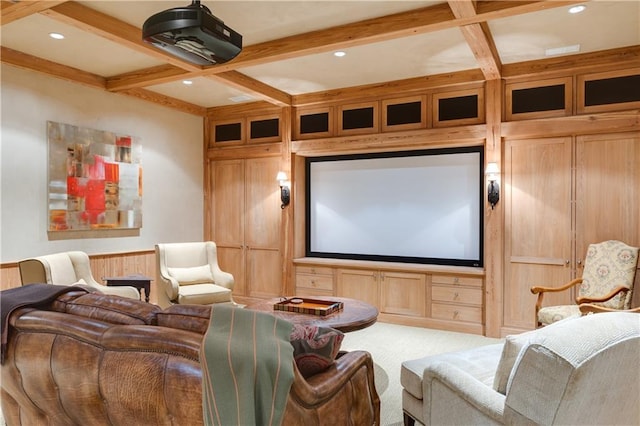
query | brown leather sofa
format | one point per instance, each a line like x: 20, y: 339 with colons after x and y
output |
x: 95, y: 359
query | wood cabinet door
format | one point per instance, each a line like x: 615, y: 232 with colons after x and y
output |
x: 403, y: 293
x: 538, y: 225
x: 227, y: 218
x: 607, y: 190
x: 360, y: 284
x: 262, y: 227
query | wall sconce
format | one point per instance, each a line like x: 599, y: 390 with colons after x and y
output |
x: 285, y: 189
x: 493, y: 190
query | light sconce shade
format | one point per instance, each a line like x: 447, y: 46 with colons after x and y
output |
x: 285, y: 189
x: 493, y: 190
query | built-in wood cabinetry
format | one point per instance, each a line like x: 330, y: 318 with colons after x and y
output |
x: 568, y: 151
x: 314, y: 281
x: 248, y: 239
x: 563, y: 194
x: 393, y: 292
x: 455, y: 298
x: 420, y: 295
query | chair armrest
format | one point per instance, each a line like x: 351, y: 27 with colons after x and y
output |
x: 604, y: 298
x: 588, y: 308
x: 124, y: 291
x: 321, y: 387
x: 224, y: 279
x: 168, y: 284
x: 540, y: 291
x: 461, y: 398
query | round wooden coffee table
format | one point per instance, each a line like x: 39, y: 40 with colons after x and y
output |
x: 354, y: 315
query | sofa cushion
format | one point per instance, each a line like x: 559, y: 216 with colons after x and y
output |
x: 513, y: 345
x: 577, y: 369
x: 186, y: 317
x: 314, y: 348
x: 114, y: 310
x: 203, y: 294
x: 480, y: 362
x: 193, y: 275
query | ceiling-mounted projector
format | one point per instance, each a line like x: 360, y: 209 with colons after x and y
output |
x: 192, y: 33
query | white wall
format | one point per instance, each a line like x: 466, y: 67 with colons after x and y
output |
x: 171, y: 159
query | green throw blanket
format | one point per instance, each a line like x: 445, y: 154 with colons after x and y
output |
x: 247, y: 368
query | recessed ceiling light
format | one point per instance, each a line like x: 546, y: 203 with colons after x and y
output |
x: 57, y: 36
x: 339, y: 54
x: 187, y: 82
x: 577, y: 9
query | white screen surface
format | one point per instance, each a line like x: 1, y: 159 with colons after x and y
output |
x: 417, y: 206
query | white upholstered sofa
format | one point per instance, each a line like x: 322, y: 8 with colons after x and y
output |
x: 577, y: 371
x: 67, y: 268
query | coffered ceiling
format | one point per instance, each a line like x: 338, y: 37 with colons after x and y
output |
x: 288, y: 58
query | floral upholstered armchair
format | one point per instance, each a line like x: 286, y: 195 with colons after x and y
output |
x: 606, y: 283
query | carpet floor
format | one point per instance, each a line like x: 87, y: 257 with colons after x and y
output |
x: 391, y: 344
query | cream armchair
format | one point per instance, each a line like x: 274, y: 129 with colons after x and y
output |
x: 67, y: 268
x: 571, y: 372
x: 188, y: 273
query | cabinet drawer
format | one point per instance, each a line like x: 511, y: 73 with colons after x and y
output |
x: 319, y: 282
x: 468, y: 296
x: 456, y: 313
x: 303, y: 291
x: 314, y: 270
x: 454, y: 280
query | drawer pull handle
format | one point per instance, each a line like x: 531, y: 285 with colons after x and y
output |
x: 456, y: 280
x: 455, y: 314
x: 456, y: 296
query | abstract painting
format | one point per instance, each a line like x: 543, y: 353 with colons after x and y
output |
x: 95, y: 179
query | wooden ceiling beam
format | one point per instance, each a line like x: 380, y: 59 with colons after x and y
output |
x: 419, y: 21
x: 253, y: 87
x: 156, y: 98
x: 115, y: 30
x: 147, y: 77
x: 12, y: 11
x: 579, y: 62
x: 377, y: 90
x: 33, y: 63
x: 479, y: 39
x: 74, y: 75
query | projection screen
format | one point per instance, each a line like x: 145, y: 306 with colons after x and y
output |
x: 418, y: 206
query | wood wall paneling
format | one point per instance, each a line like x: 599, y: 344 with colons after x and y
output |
x: 607, y: 189
x: 538, y: 224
